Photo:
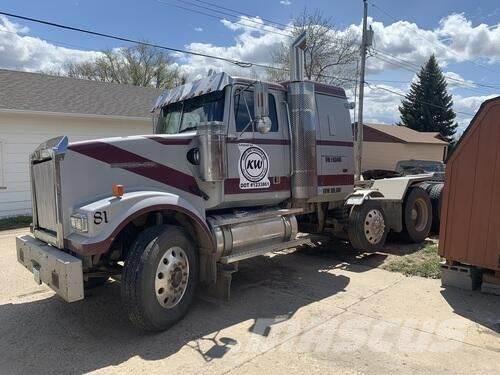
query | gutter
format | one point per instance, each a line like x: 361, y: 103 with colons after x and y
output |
x: 73, y: 115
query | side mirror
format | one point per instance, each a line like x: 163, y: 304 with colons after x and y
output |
x: 261, y: 107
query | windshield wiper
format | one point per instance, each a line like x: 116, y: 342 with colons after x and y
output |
x: 188, y: 128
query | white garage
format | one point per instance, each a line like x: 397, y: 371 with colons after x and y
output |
x: 36, y: 107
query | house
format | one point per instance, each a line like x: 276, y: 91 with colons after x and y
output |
x: 36, y: 107
x: 384, y: 145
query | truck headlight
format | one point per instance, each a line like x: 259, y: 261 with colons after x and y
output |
x: 79, y: 222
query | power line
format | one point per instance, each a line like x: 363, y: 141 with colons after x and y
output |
x: 243, y: 13
x: 393, y: 60
x: 376, y: 87
x: 222, y: 18
x: 428, y: 40
x: 56, y: 42
x: 473, y: 89
x: 235, y: 14
x: 240, y: 63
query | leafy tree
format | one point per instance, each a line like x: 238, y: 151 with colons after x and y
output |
x: 139, y: 65
x: 428, y: 107
x: 330, y: 55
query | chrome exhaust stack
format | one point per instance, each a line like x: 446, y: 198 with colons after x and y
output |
x: 302, y: 104
x: 297, y: 49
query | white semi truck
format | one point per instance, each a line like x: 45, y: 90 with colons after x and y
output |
x: 236, y: 168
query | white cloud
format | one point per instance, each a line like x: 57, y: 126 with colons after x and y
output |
x: 470, y: 42
x: 454, y: 40
x: 381, y: 106
x: 455, y: 80
x: 23, y: 52
x: 285, y: 2
x: 253, y: 42
x: 199, y: 29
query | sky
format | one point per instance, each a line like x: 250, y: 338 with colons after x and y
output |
x: 464, y: 35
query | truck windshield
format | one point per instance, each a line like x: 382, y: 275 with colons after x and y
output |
x: 187, y: 115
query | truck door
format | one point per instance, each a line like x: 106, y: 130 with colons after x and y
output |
x: 334, y: 147
x: 258, y: 164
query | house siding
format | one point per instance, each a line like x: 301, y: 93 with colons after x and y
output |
x: 385, y: 155
x: 20, y: 134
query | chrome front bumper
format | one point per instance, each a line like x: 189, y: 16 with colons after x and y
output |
x: 59, y: 270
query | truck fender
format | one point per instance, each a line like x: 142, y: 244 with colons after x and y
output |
x: 360, y: 195
x: 107, y: 217
x: 396, y: 188
x: 391, y: 207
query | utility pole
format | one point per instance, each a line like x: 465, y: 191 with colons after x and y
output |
x: 366, y: 40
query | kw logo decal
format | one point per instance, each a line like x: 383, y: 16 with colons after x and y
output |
x: 253, y: 167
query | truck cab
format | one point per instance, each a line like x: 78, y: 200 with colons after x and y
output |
x: 235, y: 168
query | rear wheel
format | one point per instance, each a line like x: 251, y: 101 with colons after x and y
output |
x: 417, y: 215
x: 435, y: 194
x: 159, y: 278
x: 367, y: 228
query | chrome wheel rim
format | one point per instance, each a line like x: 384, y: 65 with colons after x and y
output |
x: 419, y: 215
x: 172, y: 275
x: 374, y: 226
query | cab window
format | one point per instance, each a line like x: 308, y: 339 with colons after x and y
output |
x: 244, y: 109
x: 187, y: 115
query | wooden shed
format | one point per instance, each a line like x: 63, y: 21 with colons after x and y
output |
x: 470, y: 215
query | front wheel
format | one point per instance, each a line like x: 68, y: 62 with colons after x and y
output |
x: 367, y: 227
x: 159, y: 278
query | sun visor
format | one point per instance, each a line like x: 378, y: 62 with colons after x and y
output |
x: 215, y: 82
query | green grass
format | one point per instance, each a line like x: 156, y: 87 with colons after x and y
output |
x: 15, y: 222
x: 424, y: 263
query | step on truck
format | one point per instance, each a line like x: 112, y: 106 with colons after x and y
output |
x: 234, y: 169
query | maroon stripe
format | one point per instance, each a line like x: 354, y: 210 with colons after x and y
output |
x: 335, y: 180
x: 171, y: 141
x: 335, y: 143
x: 103, y: 246
x: 232, y: 186
x: 261, y: 141
x: 134, y: 163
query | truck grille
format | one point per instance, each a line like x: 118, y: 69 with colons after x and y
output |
x: 45, y: 195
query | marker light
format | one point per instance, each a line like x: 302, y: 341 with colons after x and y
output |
x: 118, y: 190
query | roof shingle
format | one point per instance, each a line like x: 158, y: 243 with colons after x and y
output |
x: 46, y: 93
x: 407, y: 135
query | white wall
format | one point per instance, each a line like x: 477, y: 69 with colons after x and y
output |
x: 385, y: 155
x: 20, y: 134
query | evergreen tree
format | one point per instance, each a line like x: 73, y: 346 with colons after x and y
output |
x: 428, y: 107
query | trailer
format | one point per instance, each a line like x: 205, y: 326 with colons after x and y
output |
x: 234, y: 169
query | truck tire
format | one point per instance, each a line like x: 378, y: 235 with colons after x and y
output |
x: 435, y: 195
x: 367, y: 229
x: 159, y: 278
x: 426, y: 186
x: 417, y: 215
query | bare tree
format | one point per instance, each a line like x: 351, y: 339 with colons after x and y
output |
x: 330, y: 55
x: 139, y: 65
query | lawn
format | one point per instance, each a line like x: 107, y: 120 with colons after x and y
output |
x: 423, y: 262
x: 15, y: 222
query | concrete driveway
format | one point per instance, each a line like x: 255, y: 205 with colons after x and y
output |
x: 304, y: 312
